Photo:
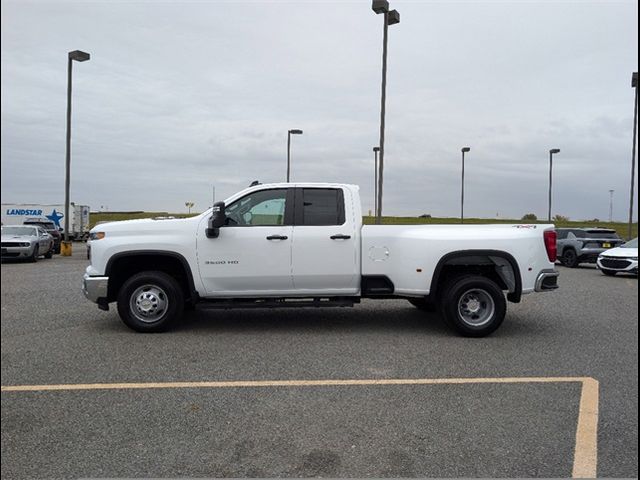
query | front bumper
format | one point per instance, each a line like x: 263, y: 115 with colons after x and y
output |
x: 547, y: 280
x: 617, y: 264
x: 17, y: 252
x: 95, y: 288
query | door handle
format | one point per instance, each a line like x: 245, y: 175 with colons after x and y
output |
x: 277, y: 237
x: 340, y: 237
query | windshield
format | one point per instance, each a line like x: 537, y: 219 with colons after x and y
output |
x: 47, y: 225
x: 631, y: 243
x: 18, y: 231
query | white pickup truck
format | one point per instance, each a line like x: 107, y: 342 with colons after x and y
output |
x: 304, y: 244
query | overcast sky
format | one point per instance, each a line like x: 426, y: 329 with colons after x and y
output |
x: 180, y: 96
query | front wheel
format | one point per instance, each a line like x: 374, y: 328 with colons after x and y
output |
x: 475, y: 306
x: 34, y: 256
x: 150, y: 302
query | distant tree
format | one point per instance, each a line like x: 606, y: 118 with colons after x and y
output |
x: 529, y: 217
x: 596, y: 220
x: 425, y: 215
x: 560, y: 218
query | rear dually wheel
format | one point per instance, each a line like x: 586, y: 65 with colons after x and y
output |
x: 473, y: 305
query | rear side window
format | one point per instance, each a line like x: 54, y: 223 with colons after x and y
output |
x: 562, y: 234
x: 322, y: 206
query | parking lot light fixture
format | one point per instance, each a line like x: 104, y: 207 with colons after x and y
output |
x: 611, y: 205
x: 634, y: 84
x: 464, y: 150
x: 375, y: 180
x: 78, y: 56
x: 289, y: 133
x: 390, y: 18
x: 552, y: 152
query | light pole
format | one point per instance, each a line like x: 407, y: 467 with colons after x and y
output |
x: 390, y: 18
x: 289, y: 133
x: 634, y: 84
x: 375, y: 182
x: 78, y: 56
x: 464, y: 150
x: 611, y: 205
x: 551, y: 152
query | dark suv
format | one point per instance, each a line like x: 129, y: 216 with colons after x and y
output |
x: 51, y: 229
x: 583, y: 245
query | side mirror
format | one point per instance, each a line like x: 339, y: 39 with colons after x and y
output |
x: 217, y: 220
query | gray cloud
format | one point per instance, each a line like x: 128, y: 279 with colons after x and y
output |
x: 180, y: 96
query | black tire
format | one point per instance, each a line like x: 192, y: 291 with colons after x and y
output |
x: 49, y: 254
x: 422, y: 304
x: 570, y: 258
x: 610, y: 273
x: 150, y: 302
x: 489, y: 305
x: 34, y: 256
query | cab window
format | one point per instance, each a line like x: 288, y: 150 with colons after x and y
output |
x: 262, y: 208
x: 322, y: 206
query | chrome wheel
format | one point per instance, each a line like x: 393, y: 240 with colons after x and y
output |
x: 149, y: 303
x: 476, y: 307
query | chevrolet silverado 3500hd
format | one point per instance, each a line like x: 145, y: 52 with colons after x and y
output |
x: 304, y: 244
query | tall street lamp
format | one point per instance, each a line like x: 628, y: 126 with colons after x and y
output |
x: 78, y: 56
x: 390, y: 18
x: 464, y: 150
x: 375, y: 182
x: 634, y: 84
x: 289, y: 133
x: 611, y: 205
x: 551, y: 153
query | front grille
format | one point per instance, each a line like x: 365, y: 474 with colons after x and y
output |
x: 10, y: 244
x: 614, y: 263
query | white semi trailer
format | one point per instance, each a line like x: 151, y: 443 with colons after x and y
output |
x: 18, y: 213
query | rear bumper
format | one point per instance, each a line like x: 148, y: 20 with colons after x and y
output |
x: 547, y: 280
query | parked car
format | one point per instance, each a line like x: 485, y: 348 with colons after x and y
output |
x: 304, y: 245
x: 50, y: 228
x: 623, y: 259
x: 26, y: 242
x: 583, y: 245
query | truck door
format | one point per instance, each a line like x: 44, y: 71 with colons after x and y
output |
x: 325, y: 244
x: 252, y: 254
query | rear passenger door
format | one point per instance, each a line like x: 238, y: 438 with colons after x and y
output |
x: 324, y: 250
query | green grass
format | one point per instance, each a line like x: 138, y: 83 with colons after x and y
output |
x: 621, y: 228
x: 119, y: 216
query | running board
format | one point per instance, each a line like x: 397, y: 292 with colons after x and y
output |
x: 278, y: 303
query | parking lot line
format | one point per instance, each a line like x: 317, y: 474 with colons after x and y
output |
x: 586, y: 448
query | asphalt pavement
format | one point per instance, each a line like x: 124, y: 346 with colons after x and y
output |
x: 51, y: 335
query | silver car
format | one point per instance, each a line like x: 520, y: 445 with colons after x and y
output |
x: 26, y: 242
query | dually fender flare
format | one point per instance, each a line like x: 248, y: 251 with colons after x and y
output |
x: 514, y: 296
